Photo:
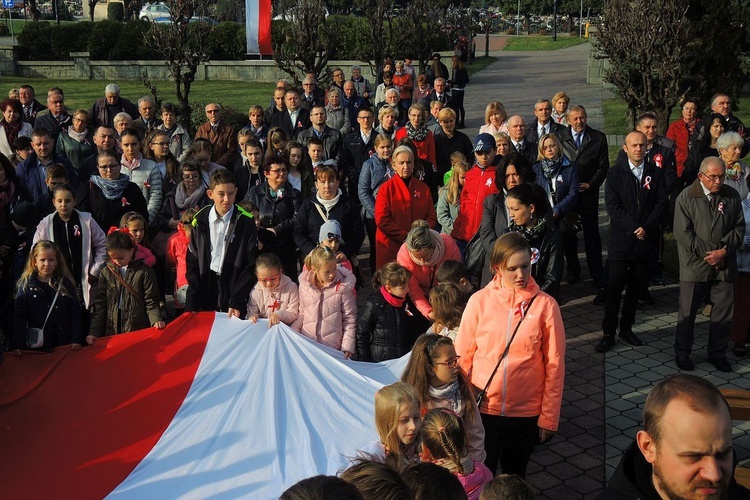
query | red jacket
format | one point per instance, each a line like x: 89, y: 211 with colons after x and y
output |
x: 425, y: 149
x: 177, y: 249
x: 396, y: 208
x: 478, y: 185
x: 680, y: 134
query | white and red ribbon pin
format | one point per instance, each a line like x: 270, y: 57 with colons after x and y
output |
x: 720, y: 208
x: 647, y: 182
x: 125, y: 202
x: 658, y: 159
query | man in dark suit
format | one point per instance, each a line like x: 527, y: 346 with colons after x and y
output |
x: 637, y: 201
x: 295, y: 119
x: 542, y: 124
x: 516, y: 131
x: 310, y: 94
x: 438, y: 94
x: 358, y: 146
x: 147, y: 121
x: 586, y: 147
x: 30, y: 105
x: 58, y: 119
x: 221, y: 136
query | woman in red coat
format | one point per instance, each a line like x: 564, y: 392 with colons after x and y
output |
x: 416, y: 131
x: 401, y: 200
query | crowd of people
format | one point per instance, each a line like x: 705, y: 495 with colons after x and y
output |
x: 106, y: 212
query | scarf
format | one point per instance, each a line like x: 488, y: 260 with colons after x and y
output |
x: 12, y: 130
x: 396, y: 302
x: 551, y: 167
x: 559, y: 118
x: 329, y: 204
x: 450, y: 392
x: 691, y: 125
x: 132, y: 164
x: 111, y: 189
x: 185, y: 201
x: 79, y: 137
x: 416, y: 134
x: 529, y: 234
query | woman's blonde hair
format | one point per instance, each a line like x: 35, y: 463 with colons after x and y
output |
x: 319, y: 257
x: 492, y: 108
x: 448, y: 303
x: 505, y: 246
x: 453, y: 189
x: 383, y: 139
x: 389, y: 403
x: 540, y: 155
x: 61, y: 270
x: 558, y: 96
x: 444, y: 436
x: 420, y: 236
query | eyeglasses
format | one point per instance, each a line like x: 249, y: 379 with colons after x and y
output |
x: 368, y: 117
x: 714, y: 178
x: 451, y: 363
x: 279, y: 171
x: 689, y: 108
x: 190, y: 177
x: 160, y: 143
x: 270, y: 279
x: 212, y: 111
x: 110, y: 166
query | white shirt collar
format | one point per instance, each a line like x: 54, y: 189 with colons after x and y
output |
x: 213, y: 216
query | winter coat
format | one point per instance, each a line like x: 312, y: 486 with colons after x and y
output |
x: 75, y: 151
x: 494, y: 224
x: 547, y: 259
x: 565, y: 200
x: 475, y: 481
x: 679, y: 132
x: 177, y: 249
x: 423, y: 277
x: 32, y: 304
x: 530, y: 380
x: 148, y: 178
x: 116, y: 310
x: 698, y: 230
x: 743, y: 250
x: 223, y: 140
x: 107, y: 213
x: 382, y: 330
x: 445, y: 146
x: 237, y: 275
x: 102, y: 116
x: 309, y: 220
x: 328, y: 315
x: 284, y: 301
x: 479, y: 184
x: 632, y: 204
x: 28, y: 172
x: 425, y: 148
x: 170, y: 210
x: 338, y: 118
x: 94, y: 249
x: 375, y: 171
x: 331, y: 140
x: 446, y: 212
x: 179, y: 141
x: 396, y: 208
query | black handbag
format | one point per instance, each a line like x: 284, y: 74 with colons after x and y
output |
x: 474, y: 258
x: 480, y: 394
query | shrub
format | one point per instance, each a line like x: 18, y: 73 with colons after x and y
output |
x: 130, y: 45
x: 228, y: 42
x: 100, y: 41
x: 42, y: 41
x: 236, y: 118
x: 115, y: 11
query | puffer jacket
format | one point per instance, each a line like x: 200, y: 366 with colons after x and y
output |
x: 284, y: 301
x: 328, y: 315
x: 382, y: 331
x: 743, y: 250
x: 375, y: 171
x: 31, y: 306
x: 446, y: 213
x: 529, y: 381
x: 135, y: 313
x: 148, y: 178
x: 479, y: 184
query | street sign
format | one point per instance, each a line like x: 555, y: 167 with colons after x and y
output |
x: 7, y: 4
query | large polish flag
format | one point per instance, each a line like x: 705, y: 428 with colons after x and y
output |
x: 207, y: 408
x: 258, y: 27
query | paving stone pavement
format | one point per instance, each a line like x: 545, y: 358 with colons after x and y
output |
x: 604, y: 394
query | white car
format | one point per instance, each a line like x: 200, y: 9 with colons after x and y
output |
x: 151, y: 11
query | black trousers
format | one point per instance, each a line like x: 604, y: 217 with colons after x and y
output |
x: 371, y: 228
x: 720, y: 326
x: 592, y: 243
x: 458, y: 106
x: 509, y: 442
x: 628, y: 275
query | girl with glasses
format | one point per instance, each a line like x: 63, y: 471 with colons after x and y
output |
x: 440, y: 383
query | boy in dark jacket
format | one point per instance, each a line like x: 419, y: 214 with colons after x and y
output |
x: 221, y: 257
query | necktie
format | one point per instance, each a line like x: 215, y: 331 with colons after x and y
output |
x: 27, y: 113
x: 713, y: 198
x: 578, y: 140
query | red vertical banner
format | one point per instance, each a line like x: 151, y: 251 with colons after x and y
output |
x: 258, y: 27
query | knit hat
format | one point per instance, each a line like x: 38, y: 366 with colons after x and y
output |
x: 330, y: 229
x: 25, y: 215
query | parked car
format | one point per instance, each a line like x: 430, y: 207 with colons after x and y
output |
x: 151, y: 11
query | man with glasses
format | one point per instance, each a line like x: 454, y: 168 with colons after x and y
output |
x: 708, y: 227
x: 310, y: 94
x: 330, y: 137
x: 358, y: 146
x: 58, y: 119
x: 220, y: 134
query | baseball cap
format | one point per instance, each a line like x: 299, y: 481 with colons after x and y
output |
x: 330, y: 229
x: 484, y: 142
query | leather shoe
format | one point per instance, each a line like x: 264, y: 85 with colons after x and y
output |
x: 629, y: 337
x: 684, y: 363
x: 721, y: 364
x: 601, y: 297
x: 607, y: 343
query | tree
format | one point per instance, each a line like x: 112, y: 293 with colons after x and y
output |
x: 308, y: 42
x: 420, y: 27
x: 661, y: 51
x: 183, y: 45
x: 378, y: 29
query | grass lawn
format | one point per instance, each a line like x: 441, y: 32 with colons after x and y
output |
x: 479, y: 64
x: 616, y: 121
x: 533, y: 42
x: 83, y: 93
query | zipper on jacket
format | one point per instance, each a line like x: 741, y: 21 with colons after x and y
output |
x: 320, y: 317
x: 505, y: 362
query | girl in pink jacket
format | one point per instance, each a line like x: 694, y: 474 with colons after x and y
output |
x: 443, y: 439
x: 328, y: 306
x: 275, y: 295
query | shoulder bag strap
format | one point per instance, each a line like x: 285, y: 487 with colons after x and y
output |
x: 320, y: 211
x: 57, y: 293
x: 480, y: 396
x: 125, y: 284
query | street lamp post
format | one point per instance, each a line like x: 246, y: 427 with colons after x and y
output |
x: 518, y: 19
x: 554, y: 20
